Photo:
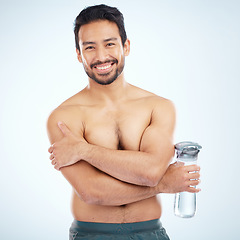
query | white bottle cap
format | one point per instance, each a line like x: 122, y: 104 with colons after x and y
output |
x: 187, y: 149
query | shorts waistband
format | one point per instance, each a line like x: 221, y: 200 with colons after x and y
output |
x: 116, y: 228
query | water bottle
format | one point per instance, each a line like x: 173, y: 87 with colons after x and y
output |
x: 185, y: 202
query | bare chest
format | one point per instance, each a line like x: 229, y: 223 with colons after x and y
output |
x: 116, y: 129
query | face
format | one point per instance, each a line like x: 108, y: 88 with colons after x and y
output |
x: 101, y: 51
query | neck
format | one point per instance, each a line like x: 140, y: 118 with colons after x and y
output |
x: 113, y: 92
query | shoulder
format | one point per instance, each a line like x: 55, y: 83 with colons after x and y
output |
x: 155, y: 102
x: 163, y: 105
x: 61, y: 113
x: 162, y: 110
x: 69, y: 108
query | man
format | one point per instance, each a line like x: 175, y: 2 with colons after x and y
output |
x: 113, y: 141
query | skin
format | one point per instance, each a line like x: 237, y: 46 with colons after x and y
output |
x: 113, y: 141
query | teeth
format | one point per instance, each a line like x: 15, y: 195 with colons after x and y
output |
x: 103, y: 68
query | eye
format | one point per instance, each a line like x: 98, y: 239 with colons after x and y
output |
x: 110, y: 44
x: 89, y: 48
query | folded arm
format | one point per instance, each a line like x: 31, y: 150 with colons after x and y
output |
x: 96, y: 187
x: 144, y: 167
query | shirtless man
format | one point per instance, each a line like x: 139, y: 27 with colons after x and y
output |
x: 113, y: 141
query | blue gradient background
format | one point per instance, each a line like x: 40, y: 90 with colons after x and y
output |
x: 187, y: 51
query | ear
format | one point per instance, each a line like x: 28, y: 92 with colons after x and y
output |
x: 79, y: 57
x: 126, y: 47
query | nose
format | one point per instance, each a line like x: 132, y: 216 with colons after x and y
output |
x: 101, y: 54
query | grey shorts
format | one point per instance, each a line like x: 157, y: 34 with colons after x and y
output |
x: 149, y: 230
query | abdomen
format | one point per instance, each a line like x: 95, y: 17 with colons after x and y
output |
x: 135, y: 212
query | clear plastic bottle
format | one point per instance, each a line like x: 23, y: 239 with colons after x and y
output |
x: 185, y: 202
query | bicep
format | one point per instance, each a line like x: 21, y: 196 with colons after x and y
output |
x: 158, y: 136
x: 54, y: 133
x: 67, y: 117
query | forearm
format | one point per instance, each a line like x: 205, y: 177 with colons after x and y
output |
x: 128, y: 166
x: 96, y: 187
x: 113, y: 192
x: 134, y: 167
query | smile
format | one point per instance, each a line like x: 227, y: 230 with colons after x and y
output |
x: 104, y: 67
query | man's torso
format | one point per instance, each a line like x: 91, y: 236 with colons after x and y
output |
x: 115, y: 126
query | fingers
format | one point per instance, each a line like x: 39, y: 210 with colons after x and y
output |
x: 55, y: 164
x: 194, y: 182
x: 178, y: 164
x: 192, y: 186
x: 193, y: 190
x: 50, y: 150
x: 56, y: 167
x: 193, y: 175
x: 192, y: 168
x: 52, y: 158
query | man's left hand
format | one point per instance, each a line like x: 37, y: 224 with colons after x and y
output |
x: 67, y: 151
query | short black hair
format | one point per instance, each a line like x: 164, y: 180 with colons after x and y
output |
x: 99, y: 12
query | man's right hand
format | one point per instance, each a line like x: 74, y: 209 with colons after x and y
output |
x: 180, y: 178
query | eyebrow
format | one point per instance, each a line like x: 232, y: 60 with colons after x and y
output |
x: 110, y: 39
x: 105, y: 40
x: 87, y: 43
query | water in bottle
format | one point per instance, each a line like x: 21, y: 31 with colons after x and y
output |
x: 185, y: 202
